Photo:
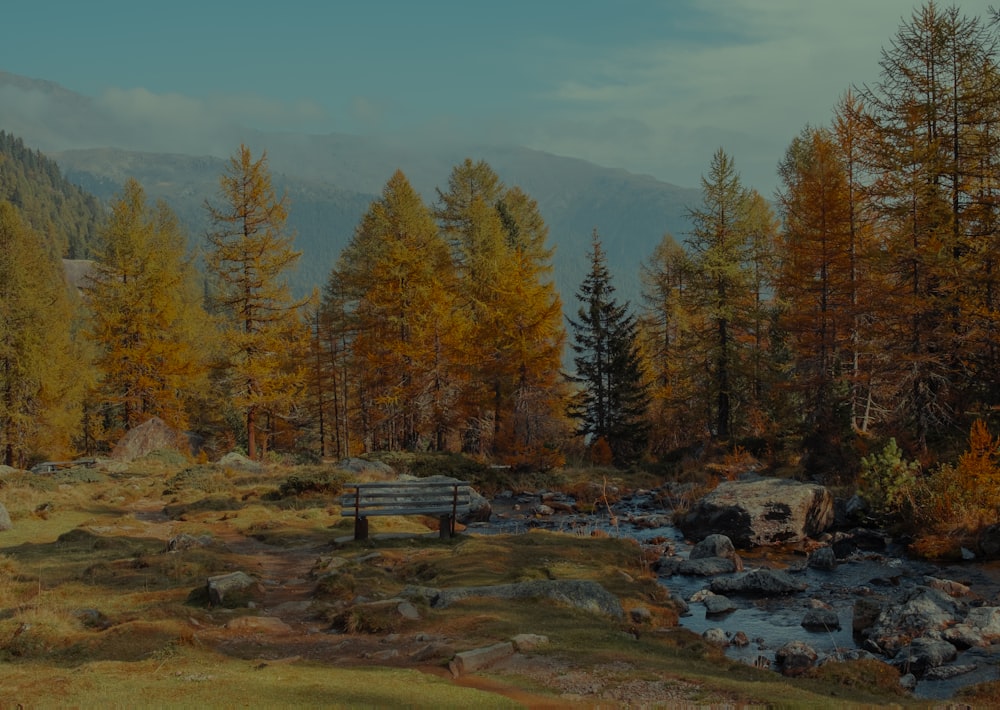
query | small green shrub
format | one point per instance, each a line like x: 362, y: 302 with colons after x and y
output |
x: 889, y: 482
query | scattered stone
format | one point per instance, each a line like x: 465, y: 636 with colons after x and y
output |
x: 408, y: 611
x: 919, y: 611
x: 922, y: 654
x: 821, y: 620
x: 431, y: 651
x: 668, y: 565
x: 761, y: 582
x: 795, y: 658
x: 525, y: 643
x: 232, y: 590
x: 640, y: 615
x: 947, y: 672
x: 714, y: 545
x: 543, y: 510
x: 706, y: 567
x: 716, y: 637
x: 823, y: 558
x: 952, y: 589
x: 326, y: 565
x: 908, y: 681
x: 866, y: 613
x: 717, y: 604
x: 740, y: 640
x: 479, y: 658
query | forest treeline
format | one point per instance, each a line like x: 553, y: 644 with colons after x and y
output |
x: 858, y: 305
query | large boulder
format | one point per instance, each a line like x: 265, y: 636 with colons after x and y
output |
x: 921, y: 611
x: 762, y: 512
x: 152, y: 435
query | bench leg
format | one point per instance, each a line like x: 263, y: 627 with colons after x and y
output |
x: 446, y: 527
x: 361, y: 528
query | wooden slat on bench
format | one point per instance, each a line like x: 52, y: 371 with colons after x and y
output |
x: 418, y: 497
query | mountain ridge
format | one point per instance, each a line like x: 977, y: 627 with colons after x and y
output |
x: 331, y: 179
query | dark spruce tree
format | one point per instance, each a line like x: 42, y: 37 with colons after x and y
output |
x: 612, y: 402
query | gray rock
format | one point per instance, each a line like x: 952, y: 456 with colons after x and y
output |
x: 823, y: 558
x: 480, y: 510
x: 668, y: 565
x: 582, y: 594
x: 716, y: 604
x: 408, y: 611
x: 525, y: 643
x: 946, y: 672
x: 768, y: 511
x: 923, y: 654
x: 761, y: 582
x: 821, y: 620
x: 152, y: 435
x: 479, y: 658
x: 5, y: 522
x: 706, y: 567
x: 232, y: 590
x: 908, y: 681
x: 640, y: 614
x: 919, y: 611
x: 795, y: 658
x: 866, y: 613
x: 716, y: 637
x: 714, y: 545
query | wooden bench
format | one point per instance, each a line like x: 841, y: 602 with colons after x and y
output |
x: 444, y: 499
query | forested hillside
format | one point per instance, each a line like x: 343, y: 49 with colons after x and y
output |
x: 64, y: 215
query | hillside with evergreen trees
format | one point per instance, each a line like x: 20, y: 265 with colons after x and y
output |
x: 66, y: 216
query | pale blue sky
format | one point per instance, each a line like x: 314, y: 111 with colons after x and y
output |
x: 652, y: 86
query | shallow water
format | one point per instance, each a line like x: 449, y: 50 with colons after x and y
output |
x: 771, y: 622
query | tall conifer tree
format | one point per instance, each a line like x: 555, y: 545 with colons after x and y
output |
x: 146, y: 316
x: 39, y: 372
x: 250, y: 253
x: 612, y: 403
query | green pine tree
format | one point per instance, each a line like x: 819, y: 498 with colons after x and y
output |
x: 612, y: 403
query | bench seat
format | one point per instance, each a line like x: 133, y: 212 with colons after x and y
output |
x: 442, y: 498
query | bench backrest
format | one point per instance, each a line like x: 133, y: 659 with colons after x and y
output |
x: 417, y: 497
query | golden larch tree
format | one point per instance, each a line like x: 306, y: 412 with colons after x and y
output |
x: 249, y: 255
x: 146, y: 318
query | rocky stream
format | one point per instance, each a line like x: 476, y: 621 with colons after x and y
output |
x: 794, y: 583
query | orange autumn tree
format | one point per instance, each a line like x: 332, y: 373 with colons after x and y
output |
x: 40, y: 373
x: 264, y: 339
x: 395, y: 286
x: 146, y: 317
x: 516, y: 399
x: 815, y: 285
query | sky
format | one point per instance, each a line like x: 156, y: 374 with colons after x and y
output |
x: 651, y: 86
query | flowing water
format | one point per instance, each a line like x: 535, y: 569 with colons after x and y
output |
x: 769, y: 623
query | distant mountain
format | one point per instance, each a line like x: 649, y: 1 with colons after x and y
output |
x: 331, y: 179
